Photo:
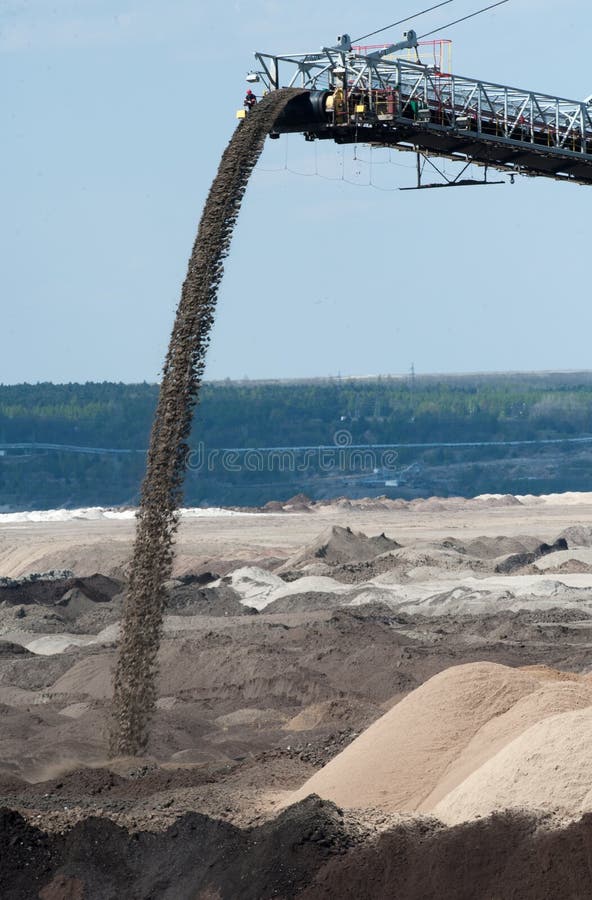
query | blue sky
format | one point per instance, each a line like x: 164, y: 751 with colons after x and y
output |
x: 114, y: 117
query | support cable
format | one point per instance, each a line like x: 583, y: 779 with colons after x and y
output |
x: 464, y: 19
x: 423, y: 13
x: 400, y: 22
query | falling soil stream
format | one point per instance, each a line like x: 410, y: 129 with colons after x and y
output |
x: 135, y: 677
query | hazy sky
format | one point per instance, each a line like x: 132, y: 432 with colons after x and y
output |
x: 114, y: 115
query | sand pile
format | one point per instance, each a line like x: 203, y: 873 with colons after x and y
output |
x: 90, y: 677
x: 487, y: 547
x: 517, y: 561
x: 58, y: 589
x: 400, y: 759
x: 578, y: 536
x: 578, y: 559
x: 258, y: 588
x: 191, y: 600
x: 555, y: 695
x: 422, y: 559
x: 432, y: 746
x: 332, y: 712
x: 337, y: 545
x: 546, y: 768
x: 255, y: 587
x: 470, y: 595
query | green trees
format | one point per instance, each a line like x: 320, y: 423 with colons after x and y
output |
x: 280, y: 414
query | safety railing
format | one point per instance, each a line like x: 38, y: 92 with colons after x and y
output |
x: 395, y: 87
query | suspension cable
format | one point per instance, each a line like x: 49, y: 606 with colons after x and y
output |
x: 400, y: 22
x: 464, y: 19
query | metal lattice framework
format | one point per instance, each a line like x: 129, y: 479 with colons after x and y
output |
x: 453, y: 116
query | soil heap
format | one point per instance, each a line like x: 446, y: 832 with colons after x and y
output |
x: 443, y: 748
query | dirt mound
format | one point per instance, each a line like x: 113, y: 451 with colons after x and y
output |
x: 486, y: 547
x: 312, y: 851
x: 189, y: 600
x: 90, y: 677
x: 337, y: 545
x: 35, y: 738
x: 52, y: 591
x: 197, y: 857
x: 570, y: 567
x: 577, y: 536
x: 506, y: 856
x: 519, y: 560
x: 7, y: 649
x: 306, y: 602
x: 400, y: 759
x: 298, y: 503
x: 333, y: 713
x: 544, y: 768
x: 437, y: 557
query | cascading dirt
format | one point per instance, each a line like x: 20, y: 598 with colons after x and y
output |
x: 135, y: 677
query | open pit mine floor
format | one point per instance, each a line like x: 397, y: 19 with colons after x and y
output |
x: 355, y: 699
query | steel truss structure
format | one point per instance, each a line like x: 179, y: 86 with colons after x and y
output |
x: 389, y: 101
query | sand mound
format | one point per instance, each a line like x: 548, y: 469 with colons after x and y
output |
x: 255, y: 586
x: 556, y: 695
x: 570, y: 567
x: 332, y: 713
x: 578, y: 536
x: 440, y: 736
x: 578, y: 560
x: 254, y: 717
x: 399, y: 760
x: 462, y: 600
x: 486, y: 547
x: 258, y: 588
x: 307, y: 602
x: 517, y: 561
x: 90, y: 677
x: 337, y: 546
x: 192, y: 600
x: 545, y: 768
x: 53, y: 589
x: 431, y: 556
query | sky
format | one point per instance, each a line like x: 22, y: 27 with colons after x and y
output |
x: 114, y: 116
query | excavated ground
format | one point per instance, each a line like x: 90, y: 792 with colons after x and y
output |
x: 253, y: 702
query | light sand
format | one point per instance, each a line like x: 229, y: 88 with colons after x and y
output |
x: 100, y: 545
x: 546, y: 768
x: 473, y: 739
x: 400, y: 759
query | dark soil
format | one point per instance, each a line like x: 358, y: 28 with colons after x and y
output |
x: 501, y: 858
x: 189, y: 600
x: 311, y: 851
x: 49, y: 591
x: 519, y: 560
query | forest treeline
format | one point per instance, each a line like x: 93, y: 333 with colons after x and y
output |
x: 232, y: 414
x: 386, y: 410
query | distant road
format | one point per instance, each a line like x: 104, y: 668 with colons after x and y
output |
x: 111, y: 451
x: 66, y: 448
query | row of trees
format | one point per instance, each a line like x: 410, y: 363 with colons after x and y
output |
x: 270, y: 414
x: 231, y: 414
